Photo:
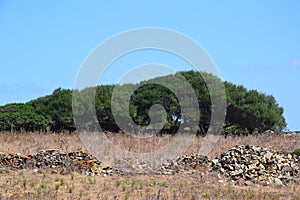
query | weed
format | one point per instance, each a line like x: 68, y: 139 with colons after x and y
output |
x: 56, y: 186
x: 229, y: 188
x: 181, y: 184
x: 32, y: 184
x: 127, y: 196
x: 15, y: 181
x: 250, y: 194
x: 118, y: 182
x: 267, y: 198
x: 206, y: 194
x: 163, y: 183
x: 294, y: 188
x: 123, y: 186
x: 83, y: 180
x: 141, y: 185
x: 62, y: 181
x: 133, y: 184
x: 25, y: 182
x: 220, y: 189
x: 43, y: 185
x: 104, y: 186
x: 171, y: 138
x: 41, y: 188
x: 154, y: 182
x: 72, y: 176
x: 92, y: 180
x: 70, y: 188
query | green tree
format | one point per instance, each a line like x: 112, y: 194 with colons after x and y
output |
x: 57, y: 109
x: 21, y: 117
x: 247, y: 109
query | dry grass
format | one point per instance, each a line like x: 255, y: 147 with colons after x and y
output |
x: 26, y: 185
x: 28, y: 143
x: 33, y: 142
x: 201, y: 185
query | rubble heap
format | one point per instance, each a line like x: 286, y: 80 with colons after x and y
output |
x: 248, y: 164
x: 186, y: 164
x: 55, y: 160
x: 244, y: 164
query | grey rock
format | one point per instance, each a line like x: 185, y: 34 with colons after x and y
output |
x: 257, y: 164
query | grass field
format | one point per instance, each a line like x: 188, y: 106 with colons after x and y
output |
x: 200, y: 185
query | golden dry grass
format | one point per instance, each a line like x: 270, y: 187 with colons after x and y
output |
x: 201, y: 185
x: 27, y: 185
x: 32, y: 142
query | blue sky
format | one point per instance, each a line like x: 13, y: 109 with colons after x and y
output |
x: 253, y: 43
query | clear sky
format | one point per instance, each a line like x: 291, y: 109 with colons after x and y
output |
x: 253, y: 43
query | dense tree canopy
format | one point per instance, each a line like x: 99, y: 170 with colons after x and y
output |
x: 19, y: 117
x: 57, y: 109
x: 247, y: 109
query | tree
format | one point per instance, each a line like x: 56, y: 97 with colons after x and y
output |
x: 57, y: 109
x: 247, y: 109
x: 21, y: 117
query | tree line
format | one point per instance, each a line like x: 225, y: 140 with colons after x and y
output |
x: 247, y: 110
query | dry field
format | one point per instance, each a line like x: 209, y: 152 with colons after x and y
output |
x: 201, y: 185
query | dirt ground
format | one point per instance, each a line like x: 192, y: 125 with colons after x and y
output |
x: 200, y: 185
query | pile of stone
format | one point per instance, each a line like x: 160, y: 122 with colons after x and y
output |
x: 248, y: 164
x: 55, y: 160
x: 243, y: 164
x: 130, y: 166
x: 186, y: 164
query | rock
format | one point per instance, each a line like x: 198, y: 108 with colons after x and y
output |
x: 278, y: 182
x: 252, y: 163
x: 236, y: 173
x: 243, y: 164
x: 215, y: 161
x: 287, y: 169
x: 52, y: 159
x: 248, y: 183
x: 4, y: 171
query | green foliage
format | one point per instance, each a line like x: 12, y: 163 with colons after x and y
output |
x: 163, y: 183
x: 206, y: 194
x: 57, y: 109
x: 297, y: 152
x: 253, y: 109
x: 56, y: 186
x: 124, y: 187
x: 70, y: 188
x: 247, y: 109
x: 118, y: 182
x: 92, y: 180
x: 150, y: 94
x: 21, y: 117
x: 235, y: 129
x: 25, y: 182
